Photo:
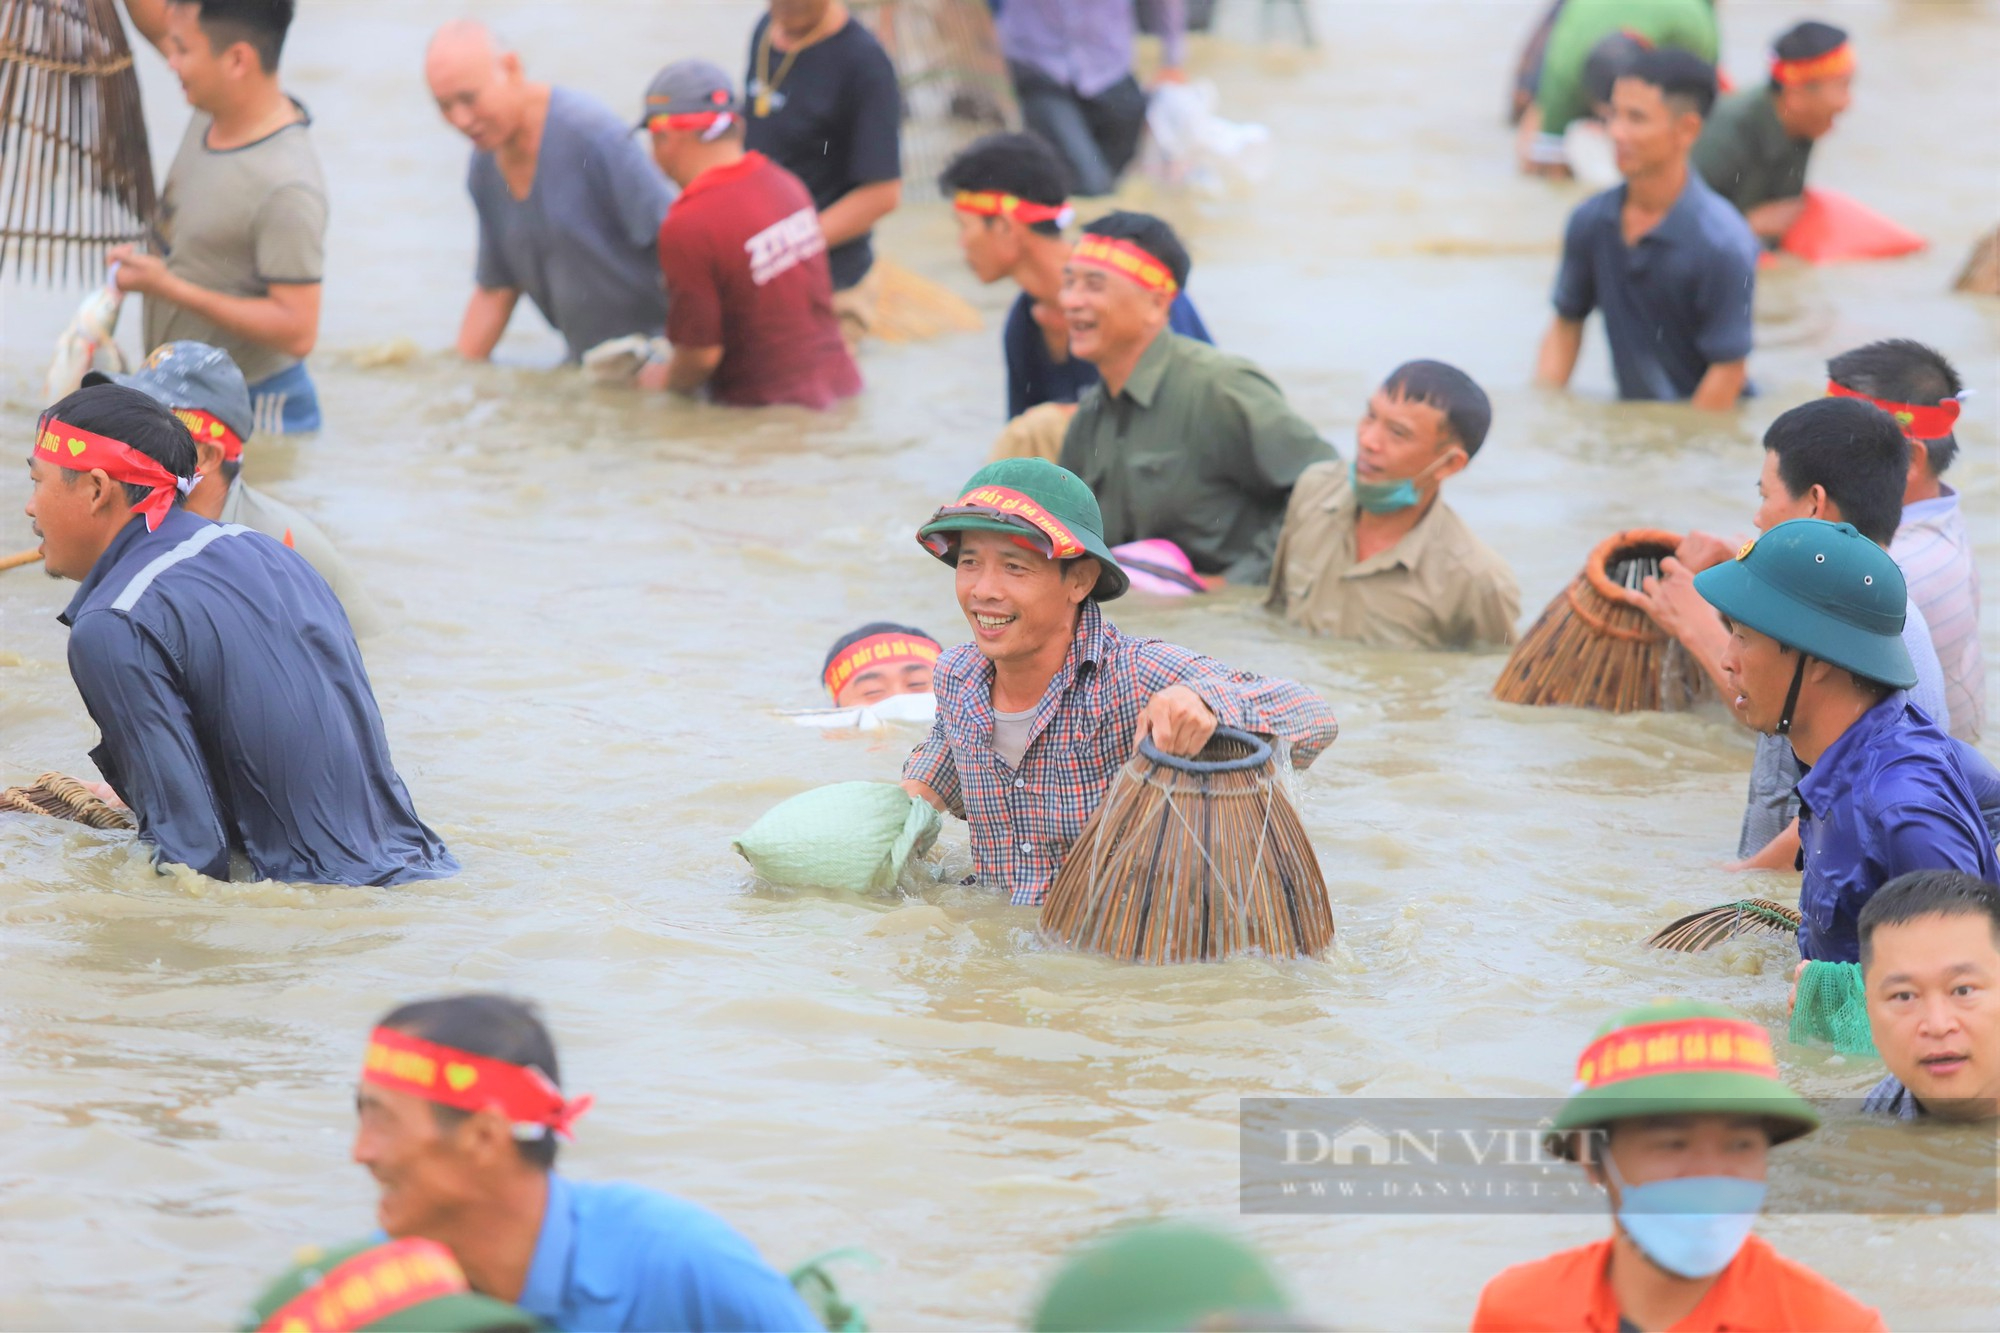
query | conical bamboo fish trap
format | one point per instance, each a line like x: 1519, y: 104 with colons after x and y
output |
x: 1193, y: 860
x: 954, y: 79
x: 76, y: 176
x: 64, y: 798
x: 1595, y: 648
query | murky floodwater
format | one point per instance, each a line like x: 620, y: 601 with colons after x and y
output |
x: 602, y: 600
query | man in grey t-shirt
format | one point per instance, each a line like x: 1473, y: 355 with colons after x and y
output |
x: 570, y: 205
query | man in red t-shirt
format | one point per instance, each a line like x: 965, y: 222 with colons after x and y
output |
x: 749, y: 296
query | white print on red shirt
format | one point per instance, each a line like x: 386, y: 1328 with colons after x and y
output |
x: 785, y: 245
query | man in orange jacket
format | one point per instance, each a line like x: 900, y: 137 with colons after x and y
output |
x: 1676, y: 1107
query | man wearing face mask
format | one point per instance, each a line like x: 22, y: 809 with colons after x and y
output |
x: 1674, y: 1110
x: 1371, y: 552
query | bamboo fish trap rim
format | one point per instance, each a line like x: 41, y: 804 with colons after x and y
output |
x: 76, y: 172
x: 1594, y: 646
x: 62, y: 797
x: 1711, y: 926
x: 1193, y: 860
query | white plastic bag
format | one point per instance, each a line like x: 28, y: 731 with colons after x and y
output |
x: 1191, y: 147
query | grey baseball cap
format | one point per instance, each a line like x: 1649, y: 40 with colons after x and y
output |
x: 191, y: 375
x: 688, y: 88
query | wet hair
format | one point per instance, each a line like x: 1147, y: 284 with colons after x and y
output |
x: 1150, y: 234
x: 1609, y: 61
x: 1852, y: 450
x: 133, y: 418
x: 1684, y: 79
x: 499, y: 1027
x: 1923, y: 893
x: 869, y: 631
x: 261, y: 23
x: 1902, y: 370
x: 1018, y: 164
x: 1467, y: 410
x: 1806, y: 41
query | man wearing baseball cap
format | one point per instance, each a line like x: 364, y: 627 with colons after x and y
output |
x: 1040, y: 710
x: 202, y: 386
x: 750, y: 298
x: 373, y: 1286
x: 1673, y: 1113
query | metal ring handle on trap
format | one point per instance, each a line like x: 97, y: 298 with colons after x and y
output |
x: 1259, y: 755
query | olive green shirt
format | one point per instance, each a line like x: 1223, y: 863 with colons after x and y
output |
x: 1745, y: 154
x: 1437, y: 587
x: 1200, y: 448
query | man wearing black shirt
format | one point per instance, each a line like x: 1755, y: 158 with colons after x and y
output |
x: 824, y: 105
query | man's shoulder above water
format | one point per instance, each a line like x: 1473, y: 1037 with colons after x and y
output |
x: 140, y: 562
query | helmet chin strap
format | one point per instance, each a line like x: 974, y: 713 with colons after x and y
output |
x: 1792, y: 696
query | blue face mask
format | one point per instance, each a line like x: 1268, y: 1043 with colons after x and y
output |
x: 1385, y: 497
x: 1692, y: 1226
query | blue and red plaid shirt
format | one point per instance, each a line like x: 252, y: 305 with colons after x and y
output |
x: 1025, y: 820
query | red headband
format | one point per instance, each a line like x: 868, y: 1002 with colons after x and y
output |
x: 1677, y: 1046
x: 371, y: 1286
x: 82, y: 451
x: 205, y: 427
x: 1791, y: 73
x: 708, y: 123
x: 1013, y: 508
x: 469, y: 1082
x: 1123, y: 257
x: 995, y: 204
x: 1919, y: 423
x: 877, y: 650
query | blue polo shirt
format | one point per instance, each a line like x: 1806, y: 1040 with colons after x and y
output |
x: 1890, y: 796
x: 1034, y: 377
x: 617, y: 1257
x: 1676, y: 303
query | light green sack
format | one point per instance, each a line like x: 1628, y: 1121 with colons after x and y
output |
x: 852, y: 835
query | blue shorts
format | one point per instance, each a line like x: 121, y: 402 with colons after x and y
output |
x: 285, y: 404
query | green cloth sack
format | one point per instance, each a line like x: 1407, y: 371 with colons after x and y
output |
x: 856, y: 836
x: 1832, y: 1009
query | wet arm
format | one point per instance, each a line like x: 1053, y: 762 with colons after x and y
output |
x: 149, y: 17
x: 486, y: 316
x: 1771, y: 221
x: 855, y: 213
x: 1561, y: 346
x: 690, y: 368
x: 1780, y: 853
x: 1265, y: 705
x: 287, y: 318
x: 931, y: 772
x: 1721, y: 386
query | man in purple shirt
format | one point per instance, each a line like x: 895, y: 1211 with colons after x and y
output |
x: 1071, y: 61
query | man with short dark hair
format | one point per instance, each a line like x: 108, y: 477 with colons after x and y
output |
x: 236, y: 714
x: 1754, y: 149
x: 1561, y: 95
x: 243, y: 211
x: 1177, y: 440
x: 1372, y: 553
x: 459, y: 1108
x: 1919, y: 388
x: 1670, y: 264
x: 1930, y: 967
x: 879, y: 661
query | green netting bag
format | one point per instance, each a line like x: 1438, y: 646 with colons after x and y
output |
x: 852, y: 835
x: 1832, y: 1009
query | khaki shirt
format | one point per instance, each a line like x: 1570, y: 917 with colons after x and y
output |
x: 1200, y: 448
x: 274, y: 518
x: 1438, y: 587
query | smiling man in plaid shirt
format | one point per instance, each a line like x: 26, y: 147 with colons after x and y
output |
x: 1049, y: 700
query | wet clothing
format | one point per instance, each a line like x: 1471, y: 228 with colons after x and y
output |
x: 1199, y: 447
x: 289, y: 398
x: 617, y: 1257
x: 1890, y: 796
x: 274, y: 518
x: 581, y: 246
x: 1439, y: 586
x: 835, y: 120
x: 1775, y: 772
x: 1891, y: 1098
x: 237, y: 716
x: 1686, y: 25
x: 1025, y: 817
x: 1746, y: 155
x: 1760, y: 1290
x: 236, y: 221
x: 746, y: 269
x: 1676, y: 303
x: 1035, y: 377
x: 1084, y: 45
x: 1931, y: 549
x: 1096, y: 137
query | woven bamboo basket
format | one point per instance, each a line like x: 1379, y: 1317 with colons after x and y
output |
x: 62, y: 797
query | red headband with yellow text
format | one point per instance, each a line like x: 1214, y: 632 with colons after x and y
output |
x: 1014, y: 509
x: 80, y: 450
x: 1832, y: 65
x: 468, y: 1082
x: 878, y: 650
x: 1919, y: 423
x: 710, y: 124
x: 1678, y: 1046
x: 205, y: 427
x: 370, y: 1286
x: 1122, y: 257
x: 995, y: 204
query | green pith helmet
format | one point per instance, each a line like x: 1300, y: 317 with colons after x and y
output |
x: 1823, y: 589
x: 1033, y: 498
x: 1680, y: 1057
x: 1157, y: 1276
x: 378, y: 1286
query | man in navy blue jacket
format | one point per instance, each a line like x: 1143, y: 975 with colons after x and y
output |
x: 236, y: 714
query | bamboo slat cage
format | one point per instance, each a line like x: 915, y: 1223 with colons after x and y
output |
x: 954, y: 79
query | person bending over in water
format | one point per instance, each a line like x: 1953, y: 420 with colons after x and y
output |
x: 1754, y: 149
x: 236, y: 713
x: 1039, y: 712
x: 1930, y: 965
x: 458, y: 1111
x: 879, y: 661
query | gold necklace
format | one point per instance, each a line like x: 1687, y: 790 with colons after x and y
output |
x: 767, y: 82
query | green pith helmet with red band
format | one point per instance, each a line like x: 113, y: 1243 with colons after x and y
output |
x: 1680, y: 1057
x: 1047, y: 507
x: 396, y: 1286
x: 1159, y: 1275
